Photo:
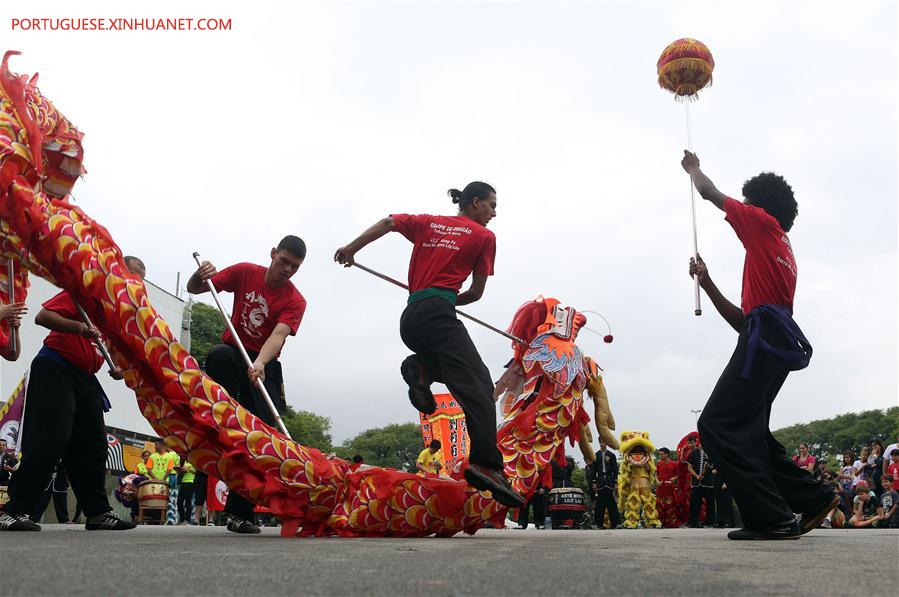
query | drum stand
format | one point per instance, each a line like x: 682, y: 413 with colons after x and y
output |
x: 151, y: 516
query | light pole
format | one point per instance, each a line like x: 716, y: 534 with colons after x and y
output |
x: 696, y: 416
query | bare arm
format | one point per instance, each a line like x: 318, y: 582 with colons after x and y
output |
x: 197, y: 282
x: 703, y: 183
x: 474, y: 292
x: 731, y: 313
x: 344, y: 255
x: 57, y: 323
x: 272, y: 347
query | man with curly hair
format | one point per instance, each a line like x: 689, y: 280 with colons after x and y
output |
x: 734, y: 426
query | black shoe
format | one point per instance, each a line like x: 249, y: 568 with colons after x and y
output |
x: 811, y: 520
x: 17, y: 522
x: 484, y: 479
x: 239, y: 525
x: 108, y: 521
x: 778, y: 532
x: 419, y: 390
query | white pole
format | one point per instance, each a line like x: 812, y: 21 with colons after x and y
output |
x: 465, y: 315
x: 698, y: 310
x: 259, y: 385
x: 97, y: 341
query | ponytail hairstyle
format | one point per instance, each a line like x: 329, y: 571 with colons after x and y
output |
x: 472, y: 191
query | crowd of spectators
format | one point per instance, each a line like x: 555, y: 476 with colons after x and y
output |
x: 866, y: 485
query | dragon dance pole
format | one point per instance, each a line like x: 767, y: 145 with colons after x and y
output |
x: 11, y: 293
x: 259, y: 385
x: 465, y: 315
x: 97, y: 341
x: 698, y: 310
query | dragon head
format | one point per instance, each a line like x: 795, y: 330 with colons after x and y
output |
x: 636, y: 448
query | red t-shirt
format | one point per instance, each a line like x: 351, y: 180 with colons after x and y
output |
x: 893, y: 471
x: 258, y: 308
x: 769, y: 270
x: 447, y: 249
x: 666, y: 470
x: 75, y: 348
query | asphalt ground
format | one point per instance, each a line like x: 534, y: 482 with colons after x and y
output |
x: 186, y: 560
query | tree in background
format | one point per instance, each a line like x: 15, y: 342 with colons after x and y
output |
x: 309, y: 429
x: 393, y: 446
x: 851, y: 431
x: 206, y: 328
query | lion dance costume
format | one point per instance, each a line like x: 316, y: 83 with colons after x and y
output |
x: 635, y: 499
x: 542, y: 393
x: 40, y: 161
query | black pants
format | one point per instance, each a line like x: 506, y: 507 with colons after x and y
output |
x: 63, y: 419
x: 227, y: 368
x: 766, y: 484
x: 200, y: 484
x: 185, y: 501
x: 699, y: 494
x: 441, y: 343
x: 538, y: 503
x: 60, y: 505
x: 605, y: 501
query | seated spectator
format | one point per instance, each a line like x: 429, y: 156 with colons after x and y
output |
x: 874, y: 470
x: 889, y: 501
x: 859, y: 467
x: 834, y: 518
x: 868, y: 511
x: 846, y: 478
x: 804, y: 459
x: 886, y: 457
x: 893, y: 467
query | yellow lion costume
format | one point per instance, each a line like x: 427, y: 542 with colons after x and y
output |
x: 635, y: 481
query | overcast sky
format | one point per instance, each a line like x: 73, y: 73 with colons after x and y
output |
x: 319, y: 119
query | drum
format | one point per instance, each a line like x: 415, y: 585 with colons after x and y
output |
x: 566, y: 507
x: 153, y: 495
x: 4, y: 497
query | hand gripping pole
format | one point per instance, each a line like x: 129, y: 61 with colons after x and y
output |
x: 97, y: 341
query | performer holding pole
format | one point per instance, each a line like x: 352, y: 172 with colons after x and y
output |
x: 64, y: 406
x: 267, y: 309
x: 733, y: 426
x: 446, y: 250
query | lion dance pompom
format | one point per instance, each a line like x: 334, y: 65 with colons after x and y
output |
x: 635, y: 499
x: 685, y: 67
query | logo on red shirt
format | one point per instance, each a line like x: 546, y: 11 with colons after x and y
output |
x: 254, y: 314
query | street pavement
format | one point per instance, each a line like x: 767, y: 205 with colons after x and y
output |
x: 186, y: 560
